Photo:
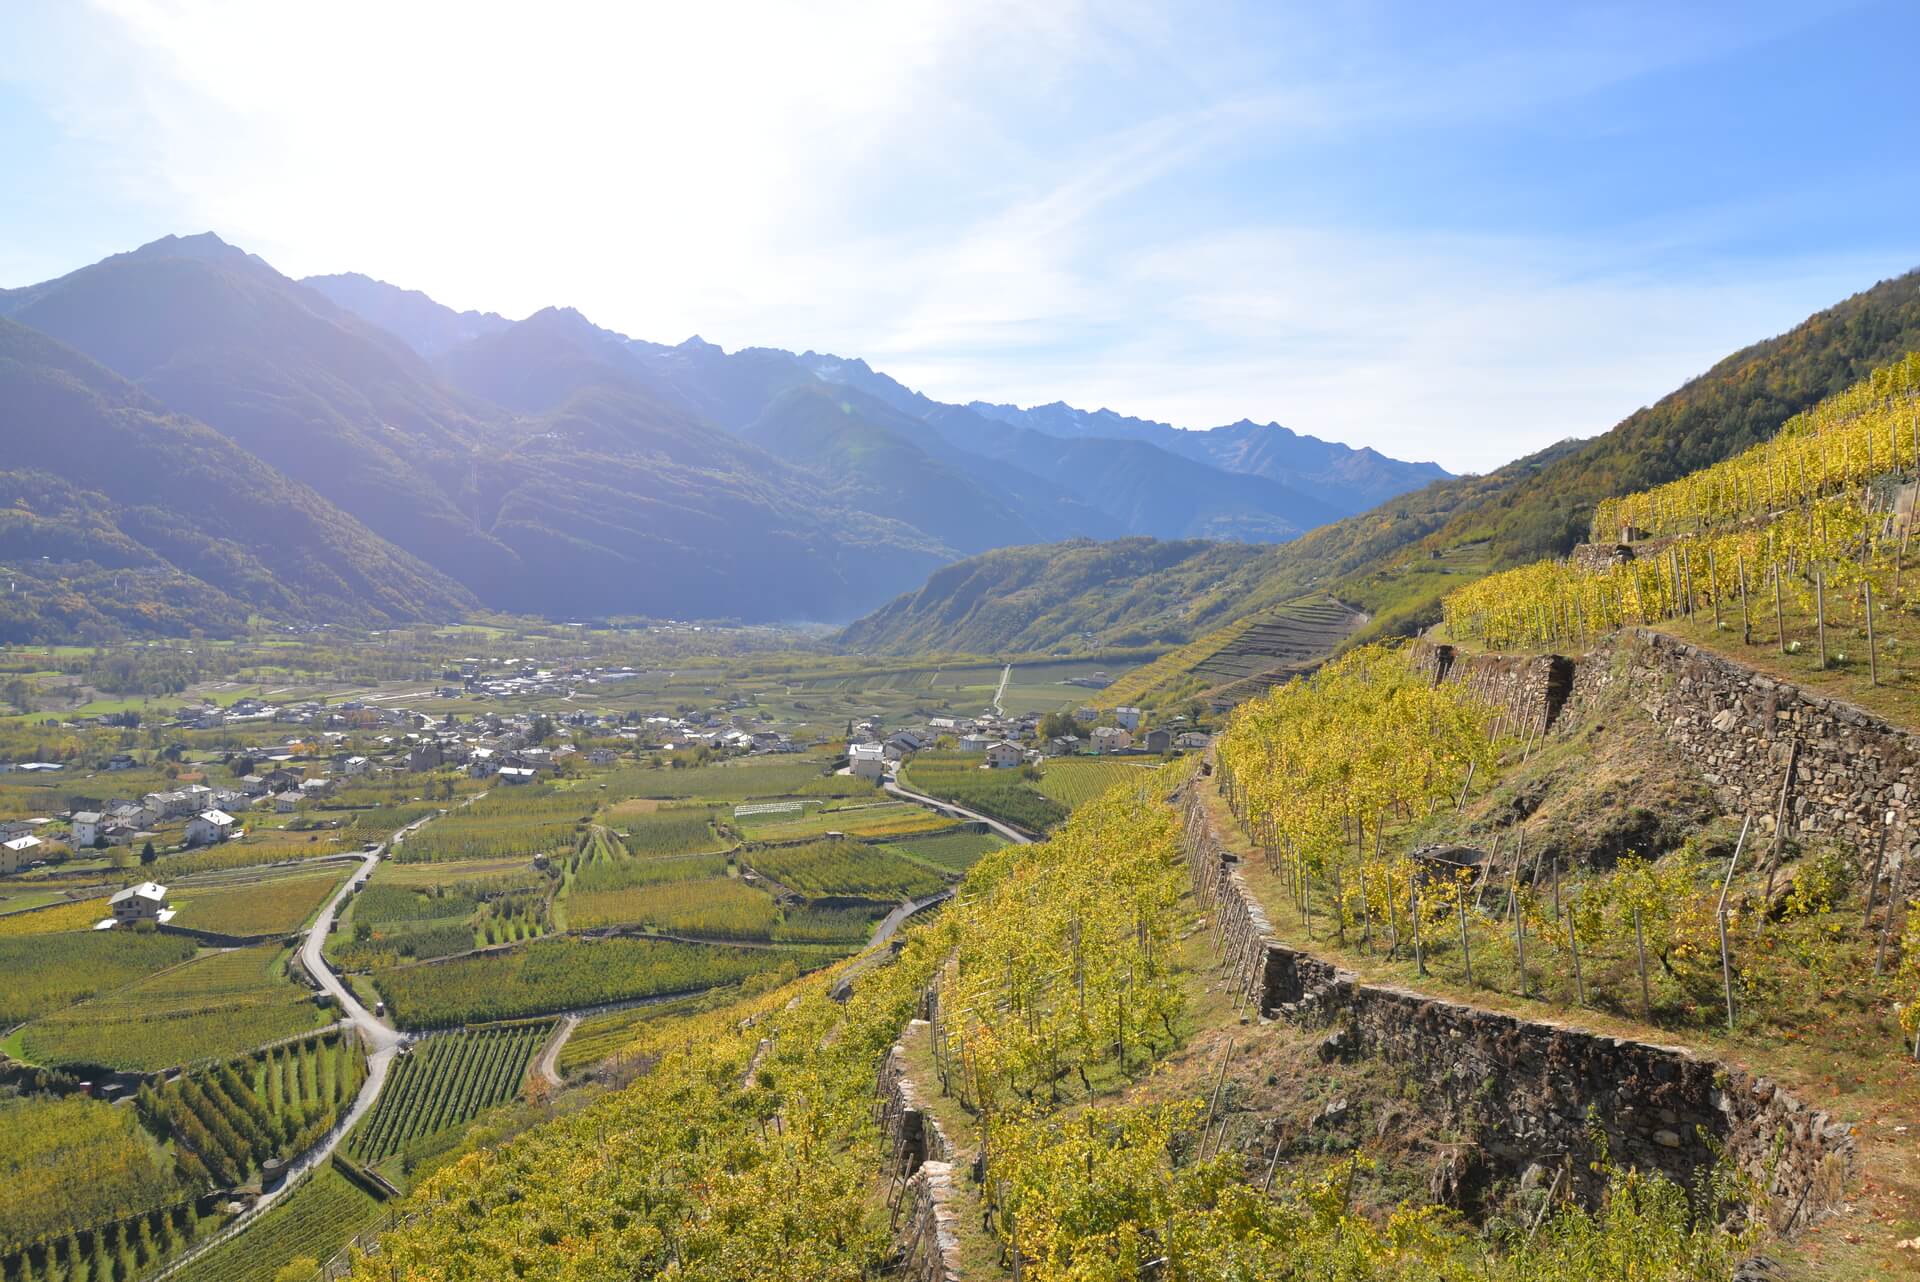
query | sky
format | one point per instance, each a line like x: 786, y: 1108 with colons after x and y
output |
x: 1454, y: 232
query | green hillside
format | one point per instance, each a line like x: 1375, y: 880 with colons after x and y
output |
x: 116, y: 516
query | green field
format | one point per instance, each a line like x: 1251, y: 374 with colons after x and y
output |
x: 444, y: 1082
x: 312, y: 1222
x: 1074, y: 781
x: 713, y: 907
x: 216, y: 1006
x: 267, y: 906
x: 562, y: 973
x: 682, y: 831
x: 47, y: 972
x: 841, y: 868
x: 1004, y: 794
x: 949, y: 853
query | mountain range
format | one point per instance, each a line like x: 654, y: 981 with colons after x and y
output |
x: 426, y: 462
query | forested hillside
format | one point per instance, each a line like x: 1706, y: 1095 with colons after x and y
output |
x: 116, y: 515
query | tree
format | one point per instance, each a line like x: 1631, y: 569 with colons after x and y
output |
x: 148, y: 854
x: 1058, y: 725
x: 299, y: 1269
x: 19, y: 693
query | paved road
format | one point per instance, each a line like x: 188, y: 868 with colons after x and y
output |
x: 1001, y: 693
x: 1005, y: 830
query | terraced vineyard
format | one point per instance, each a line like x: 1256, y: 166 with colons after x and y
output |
x: 47, y: 972
x: 844, y: 868
x: 1243, y: 658
x: 714, y: 907
x: 950, y: 853
x: 312, y: 1223
x: 1074, y: 781
x: 210, y: 1008
x: 444, y: 1082
x: 265, y: 906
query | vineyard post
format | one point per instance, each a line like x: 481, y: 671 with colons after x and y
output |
x: 1779, y: 615
x: 1640, y: 947
x: 1465, y: 788
x: 1419, y: 957
x: 1219, y: 1083
x: 1726, y: 960
x: 1886, y: 924
x: 1486, y: 872
x: 1873, y: 878
x: 1573, y: 946
x: 1713, y: 585
x: 1779, y: 826
x: 1339, y: 907
x: 1466, y: 948
x: 1520, y: 945
x: 1820, y: 612
x: 1873, y: 662
x: 1746, y: 615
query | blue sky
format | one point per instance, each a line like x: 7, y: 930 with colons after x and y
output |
x: 1457, y: 232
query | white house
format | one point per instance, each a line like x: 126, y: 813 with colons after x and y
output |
x: 516, y: 774
x: 1111, y: 739
x: 145, y: 902
x: 1129, y: 718
x: 867, y: 760
x: 975, y: 743
x: 18, y: 853
x: 86, y: 829
x: 286, y: 803
x: 209, y: 828
x: 601, y: 756
x: 1004, y: 755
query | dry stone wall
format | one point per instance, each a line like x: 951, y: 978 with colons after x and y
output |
x: 919, y: 1166
x: 1536, y: 1093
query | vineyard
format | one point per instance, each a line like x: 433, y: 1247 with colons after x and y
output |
x: 949, y: 853
x: 1074, y: 781
x: 717, y: 907
x: 313, y: 1220
x: 47, y: 972
x: 736, y: 781
x: 558, y: 974
x: 257, y: 850
x: 824, y: 926
x: 857, y: 819
x: 1003, y: 794
x: 228, y: 1120
x: 268, y: 906
x: 844, y: 868
x: 673, y: 832
x: 78, y: 915
x: 506, y: 822
x: 444, y: 1082
x: 71, y: 1163
x: 1802, y: 524
x: 212, y: 1007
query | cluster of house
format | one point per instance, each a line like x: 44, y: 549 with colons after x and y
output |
x: 529, y: 681
x: 1009, y: 742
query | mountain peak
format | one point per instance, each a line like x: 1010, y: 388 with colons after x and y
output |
x: 699, y: 344
x: 203, y: 245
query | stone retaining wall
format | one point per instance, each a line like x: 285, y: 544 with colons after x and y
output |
x: 1535, y: 1093
x: 919, y: 1164
x: 1529, y: 690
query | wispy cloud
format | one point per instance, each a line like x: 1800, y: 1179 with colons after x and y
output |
x: 1305, y: 213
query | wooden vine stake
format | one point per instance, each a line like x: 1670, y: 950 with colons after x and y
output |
x: 1873, y: 878
x: 1820, y: 612
x: 1873, y: 661
x: 1780, y: 826
x: 1779, y: 615
x: 1726, y: 959
x: 1573, y: 946
x: 1713, y: 586
x: 1746, y: 614
x: 1466, y: 948
x: 1640, y: 947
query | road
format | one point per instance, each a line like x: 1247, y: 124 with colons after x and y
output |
x: 1005, y: 830
x: 1006, y: 674
x: 383, y: 1044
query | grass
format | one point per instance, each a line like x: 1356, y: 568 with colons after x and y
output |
x: 838, y: 868
x: 868, y: 819
x: 211, y: 1008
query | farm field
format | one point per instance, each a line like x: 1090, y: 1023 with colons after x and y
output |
x: 716, y: 907
x: 855, y: 819
x: 1042, y: 687
x: 562, y: 973
x: 601, y: 1036
x: 444, y: 1082
x: 75, y: 1162
x: 312, y: 1222
x: 844, y: 868
x: 737, y: 781
x: 79, y: 914
x: 47, y: 972
x: 509, y: 821
x: 215, y: 1006
x: 1003, y: 794
x: 502, y: 874
x: 266, y: 906
x: 257, y: 850
x: 950, y: 853
x: 1074, y: 781
x: 676, y: 831
x: 848, y: 926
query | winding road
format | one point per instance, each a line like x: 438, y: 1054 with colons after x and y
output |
x: 1008, y: 831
